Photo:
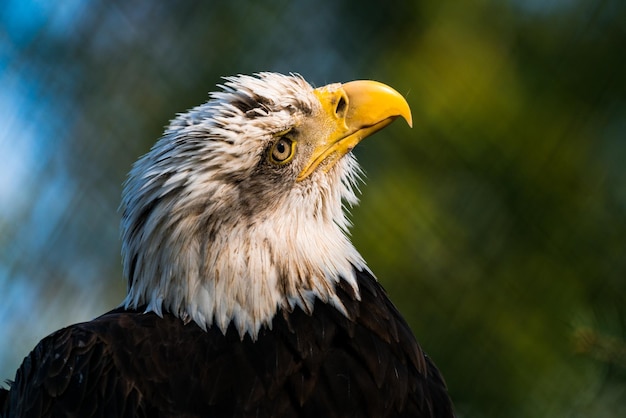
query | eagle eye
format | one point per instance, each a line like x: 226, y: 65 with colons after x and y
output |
x: 282, y: 151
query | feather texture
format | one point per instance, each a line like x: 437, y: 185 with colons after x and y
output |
x: 214, y: 234
x: 130, y: 363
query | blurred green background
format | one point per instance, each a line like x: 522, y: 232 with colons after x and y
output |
x: 497, y: 223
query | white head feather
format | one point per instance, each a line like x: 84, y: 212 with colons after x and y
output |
x: 215, y: 234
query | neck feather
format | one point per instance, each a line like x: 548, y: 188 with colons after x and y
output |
x: 242, y: 270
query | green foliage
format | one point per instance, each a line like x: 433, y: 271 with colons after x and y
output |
x: 499, y: 218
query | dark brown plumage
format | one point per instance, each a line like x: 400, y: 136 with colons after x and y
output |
x: 130, y: 364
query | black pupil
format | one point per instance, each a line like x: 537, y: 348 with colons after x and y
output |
x: 280, y: 147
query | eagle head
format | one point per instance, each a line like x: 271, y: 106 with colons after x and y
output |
x: 238, y: 210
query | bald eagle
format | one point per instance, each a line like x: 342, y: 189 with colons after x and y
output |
x: 245, y: 295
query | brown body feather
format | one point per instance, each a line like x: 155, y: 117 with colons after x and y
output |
x: 132, y: 364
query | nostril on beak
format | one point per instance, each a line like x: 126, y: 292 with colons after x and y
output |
x: 342, y: 105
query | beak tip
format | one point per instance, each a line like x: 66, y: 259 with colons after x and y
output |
x: 409, y: 120
x: 405, y: 112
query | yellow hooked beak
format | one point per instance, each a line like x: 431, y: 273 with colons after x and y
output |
x: 354, y: 111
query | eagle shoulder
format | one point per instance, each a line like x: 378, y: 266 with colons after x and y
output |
x: 374, y: 364
x: 73, y: 372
